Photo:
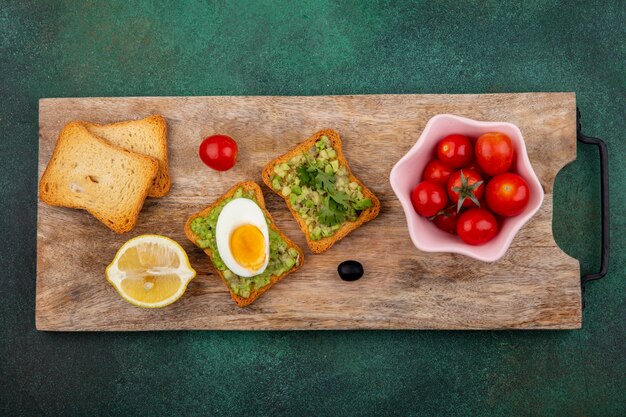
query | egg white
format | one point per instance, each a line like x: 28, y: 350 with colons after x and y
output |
x: 235, y: 213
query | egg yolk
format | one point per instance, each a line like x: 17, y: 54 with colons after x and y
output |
x: 248, y: 247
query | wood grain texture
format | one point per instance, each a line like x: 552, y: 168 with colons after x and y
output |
x: 535, y: 286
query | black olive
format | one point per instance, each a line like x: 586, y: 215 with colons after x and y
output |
x: 350, y: 270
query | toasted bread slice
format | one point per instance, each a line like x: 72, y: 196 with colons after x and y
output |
x: 88, y: 173
x: 247, y: 186
x: 322, y: 245
x: 146, y: 136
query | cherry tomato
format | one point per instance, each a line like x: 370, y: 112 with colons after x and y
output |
x: 465, y: 188
x: 475, y: 167
x: 218, y: 152
x: 494, y: 153
x: 437, y: 171
x: 507, y: 194
x: 483, y: 201
x: 456, y: 151
x: 447, y: 220
x: 429, y: 198
x: 477, y: 226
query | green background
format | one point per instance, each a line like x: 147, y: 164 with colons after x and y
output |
x: 121, y: 48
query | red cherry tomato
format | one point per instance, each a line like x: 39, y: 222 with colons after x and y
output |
x: 437, y: 171
x: 218, y: 152
x: 477, y: 226
x: 475, y: 167
x: 483, y: 201
x: 507, y: 194
x: 456, y: 151
x: 429, y: 198
x: 465, y: 188
x: 447, y: 220
x: 494, y: 153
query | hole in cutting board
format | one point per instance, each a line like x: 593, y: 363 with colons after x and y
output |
x: 576, y: 220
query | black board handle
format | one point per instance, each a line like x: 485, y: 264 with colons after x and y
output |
x: 604, y: 202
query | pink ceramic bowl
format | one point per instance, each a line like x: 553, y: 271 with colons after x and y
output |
x: 407, y: 172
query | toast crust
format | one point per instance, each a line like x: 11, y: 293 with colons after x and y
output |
x: 258, y: 194
x: 162, y: 182
x: 322, y: 245
x: 76, y: 128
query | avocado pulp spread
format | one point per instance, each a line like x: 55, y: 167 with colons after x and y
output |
x: 282, y: 257
x: 319, y: 189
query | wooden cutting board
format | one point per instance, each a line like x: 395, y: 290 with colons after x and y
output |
x: 535, y: 286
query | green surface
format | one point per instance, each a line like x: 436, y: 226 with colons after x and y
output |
x: 66, y: 49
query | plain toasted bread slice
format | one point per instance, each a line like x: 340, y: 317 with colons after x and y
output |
x: 248, y: 186
x: 88, y: 173
x: 146, y: 136
x: 322, y: 245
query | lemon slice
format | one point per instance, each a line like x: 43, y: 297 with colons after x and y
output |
x: 150, y: 271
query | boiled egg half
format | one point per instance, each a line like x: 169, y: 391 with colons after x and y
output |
x: 242, y: 237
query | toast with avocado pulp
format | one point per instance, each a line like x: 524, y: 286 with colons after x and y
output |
x: 285, y: 256
x: 327, y: 201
